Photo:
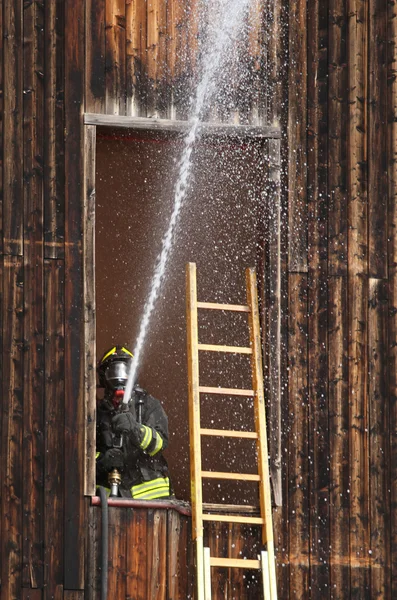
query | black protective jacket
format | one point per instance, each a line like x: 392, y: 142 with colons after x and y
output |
x: 143, y: 453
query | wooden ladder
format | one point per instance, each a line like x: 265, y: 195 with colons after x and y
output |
x: 266, y: 561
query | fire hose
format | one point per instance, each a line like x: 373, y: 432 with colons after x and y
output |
x: 114, y: 479
x: 105, y: 543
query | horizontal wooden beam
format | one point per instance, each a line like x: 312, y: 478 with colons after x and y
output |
x: 179, y: 505
x: 174, y: 126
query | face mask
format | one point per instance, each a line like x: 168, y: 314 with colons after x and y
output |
x: 116, y: 375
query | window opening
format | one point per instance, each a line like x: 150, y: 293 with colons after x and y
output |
x: 218, y: 229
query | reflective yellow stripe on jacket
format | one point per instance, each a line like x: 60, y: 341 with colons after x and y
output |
x: 147, y: 438
x: 151, y: 437
x: 158, y: 446
x: 149, y: 490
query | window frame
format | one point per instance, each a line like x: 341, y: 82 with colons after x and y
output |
x: 271, y: 317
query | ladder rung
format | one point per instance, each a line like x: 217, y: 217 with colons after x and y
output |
x: 237, y: 563
x: 239, y: 476
x: 232, y: 349
x: 216, y: 306
x: 225, y: 391
x: 234, y: 519
x: 231, y: 508
x: 227, y: 433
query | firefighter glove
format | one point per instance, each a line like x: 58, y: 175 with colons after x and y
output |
x: 113, y: 459
x: 125, y: 423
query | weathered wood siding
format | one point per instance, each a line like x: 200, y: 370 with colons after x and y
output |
x: 344, y: 402
x: 148, y: 555
x: 151, y: 556
x: 326, y: 71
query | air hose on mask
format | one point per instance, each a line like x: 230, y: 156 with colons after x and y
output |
x: 105, y: 543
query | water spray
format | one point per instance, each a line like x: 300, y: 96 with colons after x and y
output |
x: 221, y: 34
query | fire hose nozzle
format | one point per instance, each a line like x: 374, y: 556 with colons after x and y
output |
x: 114, y: 479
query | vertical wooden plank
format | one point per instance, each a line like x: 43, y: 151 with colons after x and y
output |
x: 358, y: 295
x: 137, y: 555
x: 377, y: 139
x: 12, y: 128
x: 178, y: 550
x: 156, y: 559
x: 378, y: 440
x: 392, y: 273
x: 1, y: 129
x: 60, y: 130
x: 337, y: 143
x: 195, y: 14
x: 33, y: 363
x: 182, y: 23
x: 115, y: 57
x: 136, y: 57
x: 174, y: 23
x: 95, y: 84
x: 173, y: 533
x: 358, y: 443
x: 3, y: 432
x: 89, y: 308
x: 218, y: 543
x: 75, y: 528
x: 318, y: 296
x: 156, y: 58
x: 298, y: 439
x: 297, y: 146
x: 117, y: 552
x: 338, y: 437
x: 338, y: 303
x: 54, y: 167
x: 276, y: 61
x: 92, y: 581
x: 53, y: 418
x: 176, y: 556
x: 276, y: 40
x: 235, y: 550
x: 274, y: 316
x: 185, y: 562
x: 253, y: 103
x: 12, y: 427
x: 190, y: 559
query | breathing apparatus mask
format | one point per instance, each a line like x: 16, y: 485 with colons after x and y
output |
x: 116, y: 375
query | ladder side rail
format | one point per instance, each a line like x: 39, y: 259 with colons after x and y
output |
x: 261, y: 428
x: 207, y: 574
x: 194, y: 425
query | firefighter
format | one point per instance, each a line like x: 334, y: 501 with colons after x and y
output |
x: 131, y: 436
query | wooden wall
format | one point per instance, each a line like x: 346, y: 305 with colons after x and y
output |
x: 330, y: 72
x: 151, y: 555
x: 42, y: 507
x: 340, y: 438
x: 148, y: 554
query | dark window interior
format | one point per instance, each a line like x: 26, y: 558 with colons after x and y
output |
x: 218, y: 230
